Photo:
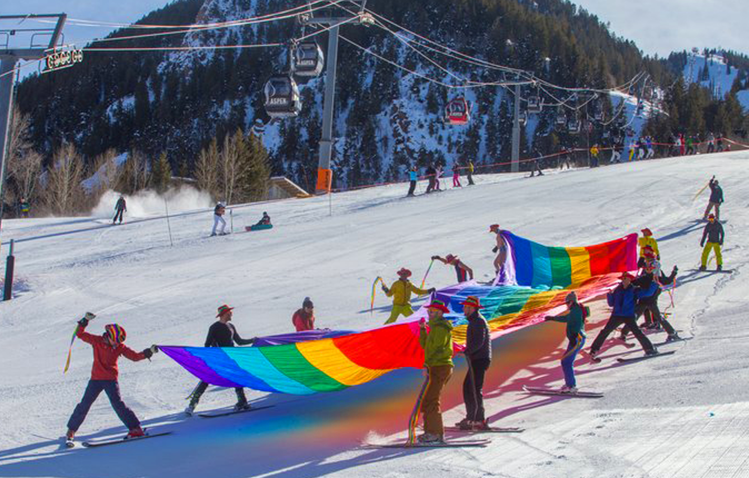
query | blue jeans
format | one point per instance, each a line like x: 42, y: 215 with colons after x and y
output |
x: 569, y: 359
x: 112, y: 389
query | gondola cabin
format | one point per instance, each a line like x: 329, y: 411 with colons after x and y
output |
x: 457, y: 112
x: 561, y: 118
x: 573, y: 126
x: 282, y: 97
x: 308, y: 59
x: 534, y: 104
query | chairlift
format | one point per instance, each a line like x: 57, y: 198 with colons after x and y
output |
x: 598, y: 113
x: 573, y: 125
x: 457, y: 112
x: 534, y: 104
x: 308, y: 59
x: 561, y: 117
x: 523, y: 118
x: 282, y: 97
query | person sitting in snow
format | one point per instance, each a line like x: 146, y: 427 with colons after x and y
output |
x: 218, y: 218
x: 304, y: 318
x: 401, y: 292
x: 107, y: 348
x: 265, y: 220
x: 462, y: 271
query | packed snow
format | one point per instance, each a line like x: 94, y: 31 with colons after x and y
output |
x: 684, y: 415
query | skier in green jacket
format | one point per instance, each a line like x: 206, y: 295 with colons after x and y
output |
x: 575, y: 320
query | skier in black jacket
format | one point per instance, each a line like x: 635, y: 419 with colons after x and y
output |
x: 478, y: 354
x: 716, y: 199
x: 714, y: 234
x: 119, y: 209
x: 221, y: 334
x: 431, y: 174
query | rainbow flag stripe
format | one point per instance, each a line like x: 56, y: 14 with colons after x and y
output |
x: 537, y: 280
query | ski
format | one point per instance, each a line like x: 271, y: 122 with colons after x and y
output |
x: 644, y: 357
x: 489, y: 430
x: 559, y: 393
x: 712, y: 271
x: 680, y: 339
x: 233, y: 412
x: 444, y: 444
x: 116, y: 441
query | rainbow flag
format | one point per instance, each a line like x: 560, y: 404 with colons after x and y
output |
x: 537, y: 278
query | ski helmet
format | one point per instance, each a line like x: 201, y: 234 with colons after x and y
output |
x: 115, y: 333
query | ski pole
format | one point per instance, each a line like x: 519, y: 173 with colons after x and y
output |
x: 700, y: 191
x: 414, y: 418
x: 88, y: 316
x: 374, y: 290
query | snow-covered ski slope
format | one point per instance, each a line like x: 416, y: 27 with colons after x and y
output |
x: 683, y: 416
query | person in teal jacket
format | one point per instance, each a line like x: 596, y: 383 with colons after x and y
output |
x: 575, y: 320
x: 437, y: 342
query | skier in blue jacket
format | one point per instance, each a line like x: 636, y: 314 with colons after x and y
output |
x: 412, y: 177
x: 623, y: 300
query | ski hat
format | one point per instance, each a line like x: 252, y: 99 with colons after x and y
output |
x: 308, y: 303
x: 494, y: 228
x: 115, y: 333
x: 648, y: 252
x: 404, y: 272
x: 472, y: 301
x: 449, y: 258
x: 627, y: 275
x: 646, y: 232
x: 571, y: 298
x: 439, y: 305
x: 711, y: 216
x: 223, y: 309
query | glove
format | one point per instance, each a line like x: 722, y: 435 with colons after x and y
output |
x: 495, y: 249
x: 148, y: 353
x: 548, y: 317
x: 385, y: 289
x: 83, y: 322
x: 432, y: 290
x: 154, y: 348
x: 90, y: 316
x: 434, y: 258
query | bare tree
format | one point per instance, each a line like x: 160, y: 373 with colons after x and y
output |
x: 63, y: 193
x: 135, y: 174
x: 207, y: 169
x: 24, y: 163
x: 233, y: 164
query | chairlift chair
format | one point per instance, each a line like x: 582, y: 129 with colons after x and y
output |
x: 534, y: 104
x: 561, y: 117
x: 308, y: 59
x: 573, y: 125
x: 457, y: 112
x: 282, y: 97
x: 523, y: 118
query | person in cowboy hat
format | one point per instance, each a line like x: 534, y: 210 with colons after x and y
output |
x: 463, y: 272
x: 623, y: 300
x: 500, y: 248
x: 714, y: 234
x: 401, y: 292
x: 221, y: 334
x: 716, y: 199
x: 649, y: 283
x: 108, y: 348
x: 647, y: 240
x: 437, y: 342
x: 575, y: 320
x: 478, y: 352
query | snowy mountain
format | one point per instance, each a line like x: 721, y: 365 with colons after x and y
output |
x: 677, y: 416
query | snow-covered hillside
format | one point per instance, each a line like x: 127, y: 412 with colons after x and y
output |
x: 684, y: 415
x: 710, y: 71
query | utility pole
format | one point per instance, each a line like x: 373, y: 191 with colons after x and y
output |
x: 9, y: 58
x: 515, y: 164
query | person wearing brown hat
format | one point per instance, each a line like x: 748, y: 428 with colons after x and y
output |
x: 500, y: 248
x: 401, y: 291
x: 221, y: 334
x: 437, y: 342
x: 623, y: 300
x: 304, y: 318
x: 478, y: 352
x: 462, y: 271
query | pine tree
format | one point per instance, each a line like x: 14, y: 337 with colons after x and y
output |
x: 161, y: 174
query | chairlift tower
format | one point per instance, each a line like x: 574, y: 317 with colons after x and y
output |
x: 9, y: 58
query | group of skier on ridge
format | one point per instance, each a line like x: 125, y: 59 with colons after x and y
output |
x: 632, y: 298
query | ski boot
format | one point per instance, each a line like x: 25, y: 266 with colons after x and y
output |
x: 567, y: 389
x: 135, y: 433
x: 702, y: 268
x: 479, y: 425
x: 654, y: 351
x: 429, y: 438
x: 673, y: 337
x: 190, y: 410
x: 464, y: 424
x: 720, y: 267
x: 242, y: 406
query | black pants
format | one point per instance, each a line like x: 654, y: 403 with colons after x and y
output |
x: 536, y: 168
x: 650, y: 305
x: 432, y: 183
x: 412, y: 188
x: 612, y: 324
x: 117, y: 214
x: 203, y: 386
x: 112, y: 389
x: 472, y: 386
x: 470, y: 179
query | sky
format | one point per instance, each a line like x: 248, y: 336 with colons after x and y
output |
x: 656, y: 26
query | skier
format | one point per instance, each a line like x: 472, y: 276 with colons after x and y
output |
x: 651, y: 149
x: 456, y: 175
x: 304, y: 318
x: 462, y: 271
x: 108, y: 348
x: 714, y: 234
x: 719, y: 142
x: 221, y: 334
x: 716, y: 199
x: 536, y: 164
x: 565, y: 158
x: 682, y: 145
x: 632, y: 149
x: 647, y: 241
x: 23, y: 208
x: 676, y: 147
x: 690, y: 145
x: 710, y: 143
x: 594, y: 151
x: 616, y: 151
x: 431, y: 173
x: 437, y: 176
x: 470, y: 173
x: 575, y: 320
x: 623, y: 300
x: 120, y: 208
x: 500, y: 249
x: 401, y: 292
x: 412, y: 177
x: 478, y: 354
x: 218, y: 213
x: 641, y: 151
x: 437, y: 343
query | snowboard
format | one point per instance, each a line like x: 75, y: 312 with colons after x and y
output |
x: 232, y: 412
x: 258, y: 227
x: 644, y: 357
x: 117, y: 441
x: 445, y: 444
x: 490, y: 430
x: 713, y: 271
x: 559, y: 393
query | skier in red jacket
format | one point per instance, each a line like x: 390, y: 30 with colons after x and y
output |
x: 108, y: 348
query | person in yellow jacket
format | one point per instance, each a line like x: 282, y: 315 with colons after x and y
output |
x: 401, y: 293
x: 594, y: 152
x: 437, y: 342
x: 646, y: 240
